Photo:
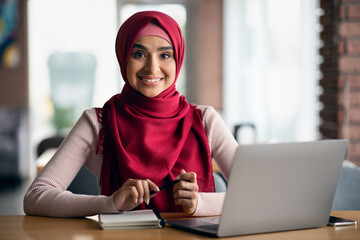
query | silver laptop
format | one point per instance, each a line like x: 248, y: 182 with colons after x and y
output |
x: 276, y: 187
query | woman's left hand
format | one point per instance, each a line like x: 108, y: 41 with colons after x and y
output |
x: 186, y: 191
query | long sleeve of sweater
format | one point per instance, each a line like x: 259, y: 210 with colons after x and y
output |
x: 223, y: 148
x: 47, y: 196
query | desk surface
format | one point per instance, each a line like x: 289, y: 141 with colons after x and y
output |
x: 31, y: 227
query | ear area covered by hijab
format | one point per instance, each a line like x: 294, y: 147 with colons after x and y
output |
x: 151, y: 138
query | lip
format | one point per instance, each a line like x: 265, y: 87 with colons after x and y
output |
x: 150, y: 80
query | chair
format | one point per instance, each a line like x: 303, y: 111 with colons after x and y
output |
x: 84, y: 182
x: 51, y: 142
x: 220, y: 184
x: 239, y: 130
x: 347, y: 195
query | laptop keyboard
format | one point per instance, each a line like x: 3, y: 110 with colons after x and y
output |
x: 208, y: 224
x: 209, y: 220
x: 211, y: 227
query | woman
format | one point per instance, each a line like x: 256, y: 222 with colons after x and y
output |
x: 143, y: 137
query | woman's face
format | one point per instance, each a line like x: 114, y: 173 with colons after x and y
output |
x: 151, y: 67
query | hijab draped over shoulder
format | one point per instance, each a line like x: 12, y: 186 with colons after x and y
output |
x: 151, y: 138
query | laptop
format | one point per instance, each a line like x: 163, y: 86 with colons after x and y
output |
x: 276, y: 187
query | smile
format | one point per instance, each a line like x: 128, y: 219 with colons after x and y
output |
x: 152, y: 80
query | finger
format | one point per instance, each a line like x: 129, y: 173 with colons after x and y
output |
x: 129, y: 182
x: 153, y: 188
x: 146, y: 186
x: 134, y: 193
x: 185, y: 194
x: 182, y: 171
x: 189, y: 206
x: 150, y: 189
x: 152, y: 185
x: 190, y: 176
x: 186, y: 186
x: 186, y: 202
x: 146, y: 191
x: 140, y: 190
x: 127, y: 192
x: 126, y: 198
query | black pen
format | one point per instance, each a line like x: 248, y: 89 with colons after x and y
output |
x: 166, y: 185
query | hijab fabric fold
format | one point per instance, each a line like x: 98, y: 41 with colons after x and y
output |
x: 151, y: 138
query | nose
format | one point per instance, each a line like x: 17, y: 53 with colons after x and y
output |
x: 152, y: 65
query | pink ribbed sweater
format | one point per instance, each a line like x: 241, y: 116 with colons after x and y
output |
x: 47, y: 195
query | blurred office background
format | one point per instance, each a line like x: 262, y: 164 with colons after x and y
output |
x: 276, y: 70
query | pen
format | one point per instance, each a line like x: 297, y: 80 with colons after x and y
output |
x: 166, y: 185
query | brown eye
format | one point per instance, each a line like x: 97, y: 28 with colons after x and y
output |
x: 165, y: 55
x: 138, y: 54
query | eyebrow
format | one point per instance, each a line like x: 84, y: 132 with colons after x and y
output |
x: 159, y: 49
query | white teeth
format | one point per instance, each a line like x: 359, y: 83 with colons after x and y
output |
x: 151, y: 80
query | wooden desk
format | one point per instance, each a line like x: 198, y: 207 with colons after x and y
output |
x: 31, y: 227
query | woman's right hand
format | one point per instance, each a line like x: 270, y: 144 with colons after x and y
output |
x: 132, y: 193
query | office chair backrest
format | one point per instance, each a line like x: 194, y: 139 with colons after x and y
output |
x: 347, y: 195
x: 84, y: 182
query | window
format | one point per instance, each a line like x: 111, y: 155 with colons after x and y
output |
x: 270, y: 68
x: 63, y: 34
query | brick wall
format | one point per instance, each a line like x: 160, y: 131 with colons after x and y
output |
x: 340, y: 69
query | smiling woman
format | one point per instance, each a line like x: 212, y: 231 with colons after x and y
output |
x: 151, y: 67
x: 143, y: 137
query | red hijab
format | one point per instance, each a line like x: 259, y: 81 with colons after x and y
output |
x: 152, y: 138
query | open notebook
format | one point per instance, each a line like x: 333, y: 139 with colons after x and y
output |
x: 276, y: 187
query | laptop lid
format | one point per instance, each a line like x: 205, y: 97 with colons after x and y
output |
x: 278, y: 187
x: 285, y: 186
